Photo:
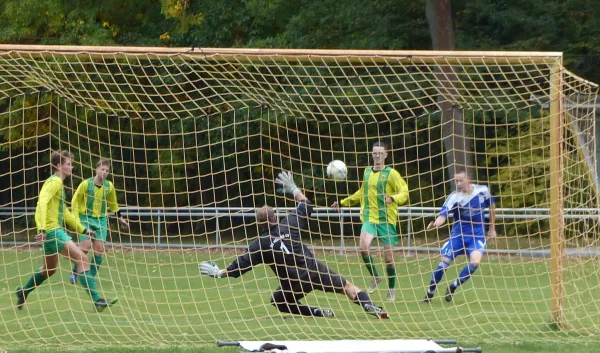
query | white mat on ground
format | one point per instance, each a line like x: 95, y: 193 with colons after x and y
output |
x: 371, y: 346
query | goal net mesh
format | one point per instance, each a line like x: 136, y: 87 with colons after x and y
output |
x: 196, y: 138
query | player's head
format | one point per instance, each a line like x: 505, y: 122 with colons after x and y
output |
x: 379, y: 153
x: 62, y: 162
x: 103, y: 168
x: 462, y: 180
x: 265, y: 217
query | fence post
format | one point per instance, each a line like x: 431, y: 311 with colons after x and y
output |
x: 341, y: 252
x: 158, y: 231
x: 409, y: 231
x: 217, y: 230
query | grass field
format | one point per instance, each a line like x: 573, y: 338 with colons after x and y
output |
x: 165, y: 306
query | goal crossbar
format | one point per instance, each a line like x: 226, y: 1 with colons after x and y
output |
x: 417, y: 56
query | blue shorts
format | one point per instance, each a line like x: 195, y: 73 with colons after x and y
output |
x: 461, y: 245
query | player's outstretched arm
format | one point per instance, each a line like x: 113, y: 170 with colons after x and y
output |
x: 286, y: 181
x: 211, y: 269
x: 239, y: 266
x: 353, y: 199
x: 439, y: 221
x: 113, y: 205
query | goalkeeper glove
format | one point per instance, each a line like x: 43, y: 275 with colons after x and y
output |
x: 286, y: 181
x: 210, y: 269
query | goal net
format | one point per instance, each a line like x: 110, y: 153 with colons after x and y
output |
x: 196, y: 138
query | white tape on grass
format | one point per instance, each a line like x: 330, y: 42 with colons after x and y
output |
x: 351, y: 346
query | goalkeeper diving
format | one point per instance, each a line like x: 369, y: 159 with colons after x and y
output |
x: 280, y: 247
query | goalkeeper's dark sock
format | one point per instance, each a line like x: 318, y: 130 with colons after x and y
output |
x: 298, y: 309
x: 437, y: 276
x: 391, y: 273
x: 464, y: 276
x: 370, y: 263
x: 74, y: 270
x: 34, y: 281
x: 362, y: 299
x: 88, y: 282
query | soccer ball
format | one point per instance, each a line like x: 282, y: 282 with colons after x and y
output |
x: 337, y: 170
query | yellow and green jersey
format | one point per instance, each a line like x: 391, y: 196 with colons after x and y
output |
x: 51, y: 212
x: 372, y: 194
x: 93, y: 201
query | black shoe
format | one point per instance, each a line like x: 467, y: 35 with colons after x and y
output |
x: 376, y: 311
x: 427, y: 298
x: 102, y: 304
x: 449, y: 292
x: 20, y: 297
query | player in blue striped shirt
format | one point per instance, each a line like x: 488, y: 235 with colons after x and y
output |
x: 467, y: 205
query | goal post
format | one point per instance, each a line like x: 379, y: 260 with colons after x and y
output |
x: 196, y: 137
x: 556, y: 200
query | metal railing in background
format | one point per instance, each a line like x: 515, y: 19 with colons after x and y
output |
x: 159, y: 215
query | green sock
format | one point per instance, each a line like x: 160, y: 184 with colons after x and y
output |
x: 95, y: 265
x: 88, y: 282
x: 35, y: 280
x: 74, y: 268
x: 391, y: 272
x: 370, y: 265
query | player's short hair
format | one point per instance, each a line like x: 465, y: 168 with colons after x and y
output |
x: 380, y: 144
x: 103, y: 162
x: 265, y: 216
x: 58, y: 157
x: 462, y: 170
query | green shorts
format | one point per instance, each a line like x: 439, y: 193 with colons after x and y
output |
x: 55, y: 241
x: 386, y: 232
x: 99, y: 225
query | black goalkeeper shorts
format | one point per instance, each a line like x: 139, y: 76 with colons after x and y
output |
x: 319, y: 277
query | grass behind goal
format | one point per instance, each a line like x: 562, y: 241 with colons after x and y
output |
x: 163, y: 302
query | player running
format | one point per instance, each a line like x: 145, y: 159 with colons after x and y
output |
x: 467, y: 204
x: 51, y: 214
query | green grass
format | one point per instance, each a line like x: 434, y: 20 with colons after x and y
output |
x: 165, y: 306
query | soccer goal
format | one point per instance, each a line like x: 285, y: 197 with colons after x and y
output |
x: 197, y: 136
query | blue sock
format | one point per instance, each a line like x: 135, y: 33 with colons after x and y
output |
x: 437, y: 275
x: 464, y: 275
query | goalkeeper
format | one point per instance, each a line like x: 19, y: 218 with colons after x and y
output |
x: 280, y: 247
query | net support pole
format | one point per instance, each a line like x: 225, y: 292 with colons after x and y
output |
x: 341, y: 252
x: 556, y: 194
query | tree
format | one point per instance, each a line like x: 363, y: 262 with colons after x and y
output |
x: 441, y: 25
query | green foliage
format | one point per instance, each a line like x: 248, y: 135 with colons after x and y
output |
x: 523, y: 163
x: 571, y: 26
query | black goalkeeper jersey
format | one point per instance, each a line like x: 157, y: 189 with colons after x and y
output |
x: 281, y: 248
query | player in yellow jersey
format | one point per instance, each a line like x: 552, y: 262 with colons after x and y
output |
x: 382, y: 191
x: 91, y: 202
x: 51, y: 214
